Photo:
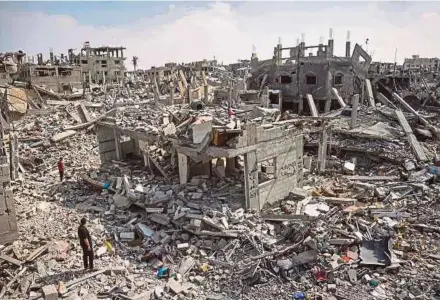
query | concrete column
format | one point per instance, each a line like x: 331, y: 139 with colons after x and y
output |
x: 230, y: 94
x: 12, y: 158
x: 171, y: 93
x: 369, y: 92
x: 183, y: 78
x: 146, y: 160
x: 230, y: 165
x: 362, y: 96
x: 173, y: 158
x: 183, y: 168
x: 265, y: 97
x: 322, y: 149
x: 354, y: 109
x: 188, y: 90
x: 300, y: 105
x: 347, y: 49
x: 117, y: 145
x: 251, y: 181
x: 16, y: 155
x: 234, y: 94
x: 205, y: 93
x: 328, y: 87
x: 156, y: 91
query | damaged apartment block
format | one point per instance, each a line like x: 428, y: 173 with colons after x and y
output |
x: 273, y: 155
x: 303, y: 81
x: 8, y: 222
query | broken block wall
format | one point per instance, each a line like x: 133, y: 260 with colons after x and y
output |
x: 287, y: 153
x: 285, y: 148
x: 8, y: 221
x: 107, y: 144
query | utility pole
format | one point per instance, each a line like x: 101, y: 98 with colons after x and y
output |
x: 394, y: 70
x: 298, y: 86
x: 135, y: 60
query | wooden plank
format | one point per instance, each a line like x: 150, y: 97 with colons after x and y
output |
x: 335, y: 200
x: 8, y: 286
x: 285, y: 218
x: 37, y: 253
x: 370, y: 95
x: 11, y: 260
x: 312, y: 105
x: 83, y: 125
x: 68, y: 284
x: 372, y: 178
x: 354, y: 111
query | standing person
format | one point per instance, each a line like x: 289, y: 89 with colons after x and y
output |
x: 230, y: 112
x: 61, y: 168
x: 86, y: 244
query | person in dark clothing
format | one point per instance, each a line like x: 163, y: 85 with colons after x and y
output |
x: 61, y: 168
x: 86, y: 244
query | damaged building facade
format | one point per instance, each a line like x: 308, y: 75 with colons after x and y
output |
x: 310, y: 169
x: 100, y: 64
x: 272, y: 157
x: 59, y: 78
x: 8, y: 170
x: 296, y: 74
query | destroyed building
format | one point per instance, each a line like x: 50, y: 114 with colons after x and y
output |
x: 58, y: 78
x: 100, y: 64
x: 417, y: 63
x: 8, y: 171
x: 297, y: 74
x: 10, y: 65
x: 195, y: 188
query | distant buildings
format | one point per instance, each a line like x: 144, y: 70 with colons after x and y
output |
x: 417, y: 63
x: 101, y: 64
x: 315, y: 70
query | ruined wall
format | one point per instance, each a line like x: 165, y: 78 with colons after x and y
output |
x: 285, y: 148
x: 287, y: 153
x: 310, y: 66
x: 99, y: 65
x: 107, y: 144
x: 8, y: 221
x: 55, y: 83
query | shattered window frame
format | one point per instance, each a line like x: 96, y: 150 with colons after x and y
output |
x: 283, y: 78
x: 309, y: 76
x: 269, y: 176
x: 338, y: 79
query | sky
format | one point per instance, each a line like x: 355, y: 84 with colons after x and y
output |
x: 160, y: 32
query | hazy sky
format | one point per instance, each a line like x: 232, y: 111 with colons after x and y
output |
x: 160, y: 32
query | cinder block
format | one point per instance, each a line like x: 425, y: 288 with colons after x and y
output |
x: 50, y: 292
x: 5, y: 169
x: 8, y: 193
x: 13, y: 222
x: 2, y: 206
x: 107, y: 146
x: 4, y: 224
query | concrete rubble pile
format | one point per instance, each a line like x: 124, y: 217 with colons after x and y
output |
x: 363, y: 225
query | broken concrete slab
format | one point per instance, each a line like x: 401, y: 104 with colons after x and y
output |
x: 62, y: 135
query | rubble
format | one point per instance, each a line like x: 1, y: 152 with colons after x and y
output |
x: 199, y: 198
